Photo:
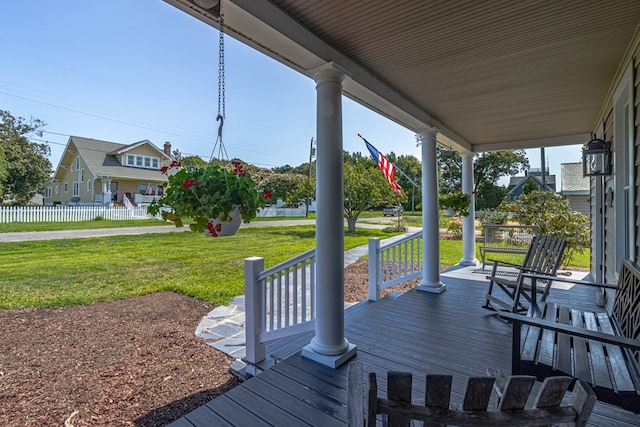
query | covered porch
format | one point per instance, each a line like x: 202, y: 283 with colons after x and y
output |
x: 419, y: 332
x: 471, y: 76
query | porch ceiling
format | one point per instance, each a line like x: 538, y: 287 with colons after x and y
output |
x: 489, y: 75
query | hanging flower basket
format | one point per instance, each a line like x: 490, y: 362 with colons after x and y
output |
x: 224, y: 225
x: 215, y: 198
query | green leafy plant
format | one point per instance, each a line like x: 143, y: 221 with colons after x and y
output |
x: 553, y: 215
x: 454, y: 226
x: 203, y: 193
x: 456, y: 200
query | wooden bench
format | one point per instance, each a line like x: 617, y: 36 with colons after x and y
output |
x: 509, y: 239
x: 398, y: 409
x: 599, y: 348
x: 543, y: 256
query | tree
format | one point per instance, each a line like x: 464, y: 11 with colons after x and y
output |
x: 364, y: 187
x: 4, y: 170
x: 283, y: 186
x: 412, y: 167
x: 553, y: 215
x: 27, y: 165
x: 488, y: 168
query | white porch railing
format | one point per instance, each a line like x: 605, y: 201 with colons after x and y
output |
x: 65, y: 213
x: 394, y: 263
x: 279, y: 302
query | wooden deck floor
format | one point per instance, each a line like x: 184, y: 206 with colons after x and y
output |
x: 417, y: 332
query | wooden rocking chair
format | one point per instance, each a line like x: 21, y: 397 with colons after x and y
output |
x: 543, y: 257
x: 398, y: 409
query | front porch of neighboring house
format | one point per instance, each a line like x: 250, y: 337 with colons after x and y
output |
x: 126, y: 192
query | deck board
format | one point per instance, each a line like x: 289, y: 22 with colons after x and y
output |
x: 419, y: 332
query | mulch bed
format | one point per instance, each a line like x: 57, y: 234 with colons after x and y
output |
x: 131, y: 362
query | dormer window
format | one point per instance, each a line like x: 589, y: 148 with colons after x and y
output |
x: 139, y: 161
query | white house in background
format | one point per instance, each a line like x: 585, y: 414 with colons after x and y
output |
x: 94, y: 171
x: 575, y: 187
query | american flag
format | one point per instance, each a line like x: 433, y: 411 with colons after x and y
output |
x: 387, y: 168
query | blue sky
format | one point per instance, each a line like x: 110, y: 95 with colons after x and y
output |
x: 124, y: 71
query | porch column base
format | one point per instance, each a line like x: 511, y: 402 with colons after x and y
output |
x: 437, y: 288
x: 332, y: 361
x: 469, y: 262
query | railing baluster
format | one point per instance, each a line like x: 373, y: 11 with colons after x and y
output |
x: 312, y: 289
x: 296, y: 271
x: 303, y: 291
x: 285, y: 303
x: 271, y: 303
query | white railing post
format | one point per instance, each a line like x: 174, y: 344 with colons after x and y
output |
x: 374, y: 269
x: 254, y: 310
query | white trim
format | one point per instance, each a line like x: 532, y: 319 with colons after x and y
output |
x: 623, y: 169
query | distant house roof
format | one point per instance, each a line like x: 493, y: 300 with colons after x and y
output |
x: 516, y: 183
x: 572, y: 181
x: 101, y: 159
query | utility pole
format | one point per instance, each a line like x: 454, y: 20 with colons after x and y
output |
x: 312, y: 152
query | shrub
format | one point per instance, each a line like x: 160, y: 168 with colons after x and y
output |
x: 553, y: 215
x: 454, y: 226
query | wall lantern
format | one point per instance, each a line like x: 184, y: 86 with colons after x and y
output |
x: 596, y: 158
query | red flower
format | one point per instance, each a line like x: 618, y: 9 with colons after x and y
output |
x: 189, y: 183
x: 267, y: 194
x: 164, y: 169
x: 214, y: 230
x: 238, y: 168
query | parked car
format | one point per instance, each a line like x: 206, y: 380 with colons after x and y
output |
x: 392, y: 211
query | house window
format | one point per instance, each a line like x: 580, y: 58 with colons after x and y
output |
x: 146, y: 162
x: 76, y: 188
x: 89, y: 185
x: 56, y: 189
x: 78, y: 163
x: 66, y: 187
x: 47, y: 193
x: 142, y: 188
x: 82, y: 175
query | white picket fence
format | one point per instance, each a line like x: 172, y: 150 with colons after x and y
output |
x: 66, y: 213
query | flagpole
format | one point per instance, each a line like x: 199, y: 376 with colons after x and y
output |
x: 397, y: 168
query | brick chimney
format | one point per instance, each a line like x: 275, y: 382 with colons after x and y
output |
x: 167, y: 148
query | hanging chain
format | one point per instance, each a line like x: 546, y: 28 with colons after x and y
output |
x: 221, y: 111
x: 219, y: 145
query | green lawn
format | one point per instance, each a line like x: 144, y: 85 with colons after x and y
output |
x: 14, y: 227
x: 80, y: 271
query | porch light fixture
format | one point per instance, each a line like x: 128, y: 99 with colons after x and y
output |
x: 596, y: 158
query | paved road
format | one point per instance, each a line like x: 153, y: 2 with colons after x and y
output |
x: 103, y: 232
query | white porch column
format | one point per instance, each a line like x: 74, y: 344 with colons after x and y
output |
x: 468, y: 222
x: 329, y: 346
x: 430, y: 215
